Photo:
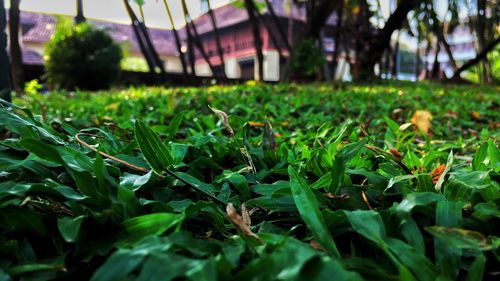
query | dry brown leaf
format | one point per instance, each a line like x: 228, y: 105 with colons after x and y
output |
x: 225, y: 120
x: 422, y: 119
x: 451, y: 114
x: 396, y: 153
x: 245, y: 215
x: 268, y: 138
x: 494, y: 125
x: 241, y: 222
x: 436, y: 173
x: 316, y: 245
x: 362, y: 128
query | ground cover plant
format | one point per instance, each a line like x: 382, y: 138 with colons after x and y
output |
x: 252, y: 182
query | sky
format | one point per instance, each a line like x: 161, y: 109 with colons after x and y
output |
x: 114, y: 10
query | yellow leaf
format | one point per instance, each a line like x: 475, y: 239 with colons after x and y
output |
x: 475, y: 115
x: 112, y: 106
x: 422, y: 119
x: 255, y: 124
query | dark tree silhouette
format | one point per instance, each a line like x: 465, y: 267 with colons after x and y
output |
x: 16, y: 55
x: 4, y: 59
x: 479, y: 57
x: 79, y: 18
x: 196, y: 36
x: 220, y: 51
x: 178, y: 43
x: 145, y: 42
x: 251, y: 11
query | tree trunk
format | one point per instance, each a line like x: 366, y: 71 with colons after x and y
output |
x: 480, y: 33
x: 145, y: 43
x: 270, y: 33
x: 379, y: 42
x: 427, y: 51
x: 417, y: 55
x: 190, y: 48
x: 251, y: 10
x: 447, y: 48
x: 16, y: 55
x: 220, y: 51
x: 4, y: 59
x: 79, y: 18
x: 336, y: 40
x: 178, y: 43
x: 435, y: 65
x: 395, y: 56
x: 479, y: 57
x: 318, y: 13
x: 197, y: 40
x: 278, y: 25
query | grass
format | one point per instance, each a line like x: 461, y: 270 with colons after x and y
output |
x: 396, y: 181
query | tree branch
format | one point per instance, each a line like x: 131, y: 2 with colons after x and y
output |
x: 482, y: 55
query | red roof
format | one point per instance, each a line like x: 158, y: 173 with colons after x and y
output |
x: 229, y: 14
x: 38, y: 28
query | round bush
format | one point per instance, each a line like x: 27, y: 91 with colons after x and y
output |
x: 307, y: 59
x: 82, y: 56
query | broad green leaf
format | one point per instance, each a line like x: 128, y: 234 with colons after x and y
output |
x: 152, y: 224
x: 307, y: 205
x: 118, y: 266
x: 42, y: 150
x: 412, y: 234
x: 476, y: 270
x: 69, y: 227
x: 174, y: 125
x: 346, y: 154
x: 449, y: 163
x: 448, y: 214
x: 319, y: 269
x: 420, y: 267
x: 168, y: 266
x: 369, y: 224
x: 459, y: 238
x: 134, y: 182
x: 397, y: 179
x: 4, y: 276
x: 487, y: 210
x: 415, y: 199
x: 155, y: 152
x: 36, y: 267
x: 478, y: 162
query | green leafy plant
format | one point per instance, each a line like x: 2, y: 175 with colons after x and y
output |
x: 81, y: 56
x: 307, y: 59
x: 308, y: 184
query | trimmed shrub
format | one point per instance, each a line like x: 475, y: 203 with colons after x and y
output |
x: 81, y: 56
x: 307, y: 59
